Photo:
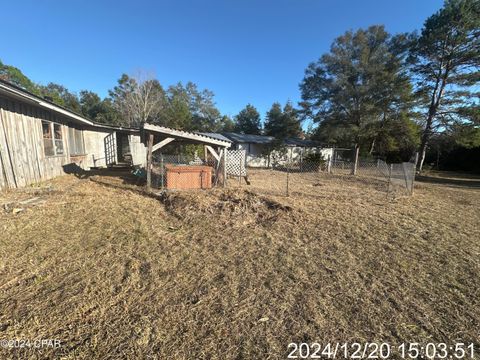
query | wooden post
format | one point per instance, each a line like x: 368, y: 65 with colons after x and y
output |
x: 149, y: 160
x: 162, y: 172
x: 355, y: 160
x: 225, y: 152
x: 240, y: 171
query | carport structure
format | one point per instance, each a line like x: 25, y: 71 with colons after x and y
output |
x: 156, y: 137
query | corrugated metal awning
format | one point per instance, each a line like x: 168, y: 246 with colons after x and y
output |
x: 186, y: 135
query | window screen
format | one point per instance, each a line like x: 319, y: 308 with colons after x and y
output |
x: 52, y: 138
x: 79, y: 141
x: 75, y: 138
x: 57, y: 130
x: 48, y: 138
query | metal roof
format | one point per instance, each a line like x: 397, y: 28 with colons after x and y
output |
x: 19, y: 93
x: 217, y: 136
x: 301, y: 142
x: 263, y: 139
x: 186, y: 135
x: 22, y: 94
x: 248, y: 138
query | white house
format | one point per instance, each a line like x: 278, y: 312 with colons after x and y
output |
x: 256, y: 147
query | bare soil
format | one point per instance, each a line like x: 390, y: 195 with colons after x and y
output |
x: 236, y: 273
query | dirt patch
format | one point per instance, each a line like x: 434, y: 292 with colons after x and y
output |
x: 228, y: 206
x: 224, y: 206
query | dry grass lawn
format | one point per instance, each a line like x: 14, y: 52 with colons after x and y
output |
x: 236, y: 273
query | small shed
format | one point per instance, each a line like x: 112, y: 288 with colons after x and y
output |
x: 156, y: 137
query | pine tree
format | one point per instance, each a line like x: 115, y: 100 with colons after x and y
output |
x: 357, y: 86
x: 446, y: 66
x: 291, y: 126
x: 248, y: 121
x: 282, y: 123
x: 273, y: 119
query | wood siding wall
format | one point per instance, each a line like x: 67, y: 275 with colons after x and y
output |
x: 22, y: 157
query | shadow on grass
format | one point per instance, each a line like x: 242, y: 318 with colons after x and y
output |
x: 124, y: 174
x: 465, y: 183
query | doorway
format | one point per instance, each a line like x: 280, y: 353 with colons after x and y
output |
x: 124, y: 154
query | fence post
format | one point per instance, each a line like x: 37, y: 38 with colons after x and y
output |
x: 162, y: 172
x: 355, y: 160
x: 149, y: 161
x: 405, y: 175
x: 333, y: 162
x: 225, y: 152
x: 329, y: 164
x: 288, y: 177
x: 288, y: 173
x: 389, y: 179
x: 240, y: 170
x: 414, y: 172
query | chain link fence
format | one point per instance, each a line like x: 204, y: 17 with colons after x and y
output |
x: 186, y: 171
x: 288, y: 176
x: 301, y: 176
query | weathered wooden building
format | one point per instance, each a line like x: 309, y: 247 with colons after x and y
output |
x: 40, y: 140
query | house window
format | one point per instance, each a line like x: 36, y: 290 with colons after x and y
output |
x: 57, y: 130
x: 52, y: 138
x: 75, y: 138
x: 47, y: 138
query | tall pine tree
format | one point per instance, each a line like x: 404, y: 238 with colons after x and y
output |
x: 248, y: 121
x: 282, y: 123
x: 357, y: 86
x: 446, y: 67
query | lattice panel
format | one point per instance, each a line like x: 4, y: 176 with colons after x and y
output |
x: 236, y: 163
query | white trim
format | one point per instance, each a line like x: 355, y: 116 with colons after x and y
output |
x: 117, y: 128
x: 162, y: 144
x: 213, y: 152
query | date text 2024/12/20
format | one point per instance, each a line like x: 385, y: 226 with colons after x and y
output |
x: 372, y: 350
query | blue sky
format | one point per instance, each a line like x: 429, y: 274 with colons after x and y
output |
x: 245, y: 51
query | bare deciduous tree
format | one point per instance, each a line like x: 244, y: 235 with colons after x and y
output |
x: 138, y: 98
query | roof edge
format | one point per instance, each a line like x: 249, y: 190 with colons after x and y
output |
x: 186, y: 134
x: 21, y: 93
